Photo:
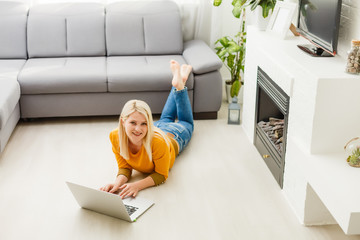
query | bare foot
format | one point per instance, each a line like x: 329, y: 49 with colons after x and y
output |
x: 173, y: 66
x: 177, y: 81
x: 185, y: 71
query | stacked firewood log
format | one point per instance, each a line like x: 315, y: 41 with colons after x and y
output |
x: 274, y: 129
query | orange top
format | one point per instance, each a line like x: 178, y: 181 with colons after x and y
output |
x: 163, y: 156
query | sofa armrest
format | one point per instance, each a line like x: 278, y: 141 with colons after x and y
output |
x: 201, y: 57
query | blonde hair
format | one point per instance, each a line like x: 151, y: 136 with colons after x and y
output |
x: 143, y: 108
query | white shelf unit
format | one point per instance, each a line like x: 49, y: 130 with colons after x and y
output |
x: 323, y: 115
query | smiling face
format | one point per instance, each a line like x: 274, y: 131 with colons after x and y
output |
x: 135, y: 127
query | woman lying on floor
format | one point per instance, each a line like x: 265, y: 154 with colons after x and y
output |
x: 151, y: 147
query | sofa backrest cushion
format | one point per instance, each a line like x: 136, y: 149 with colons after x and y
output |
x: 66, y: 29
x: 13, y: 17
x: 143, y: 28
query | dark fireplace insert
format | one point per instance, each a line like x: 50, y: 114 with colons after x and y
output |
x: 271, y: 118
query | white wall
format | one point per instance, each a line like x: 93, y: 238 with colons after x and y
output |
x: 349, y: 24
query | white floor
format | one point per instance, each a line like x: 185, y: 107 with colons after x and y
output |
x: 219, y: 188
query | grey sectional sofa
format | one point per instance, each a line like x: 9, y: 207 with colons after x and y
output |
x: 82, y: 59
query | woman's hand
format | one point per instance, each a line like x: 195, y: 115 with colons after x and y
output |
x: 113, y: 187
x: 129, y: 190
x: 110, y: 188
x: 132, y: 189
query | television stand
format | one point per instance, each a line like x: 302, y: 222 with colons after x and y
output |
x: 314, y: 51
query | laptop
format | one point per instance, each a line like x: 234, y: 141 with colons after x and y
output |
x: 128, y: 209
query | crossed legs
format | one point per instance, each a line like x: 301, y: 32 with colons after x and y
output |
x: 177, y: 105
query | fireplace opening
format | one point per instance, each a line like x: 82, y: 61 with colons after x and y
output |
x: 272, y: 107
x: 274, y: 129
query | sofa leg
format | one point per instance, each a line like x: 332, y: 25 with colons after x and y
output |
x: 205, y: 115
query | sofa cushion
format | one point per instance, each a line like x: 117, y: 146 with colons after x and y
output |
x: 10, y: 68
x: 143, y: 28
x: 66, y: 29
x: 142, y: 73
x: 9, y: 97
x: 13, y: 17
x: 201, y: 57
x: 63, y: 75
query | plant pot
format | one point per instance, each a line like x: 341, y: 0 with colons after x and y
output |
x: 227, y: 90
x: 352, y: 149
x: 260, y: 21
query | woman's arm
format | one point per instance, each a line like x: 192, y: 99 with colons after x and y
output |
x: 132, y: 189
x: 125, y: 170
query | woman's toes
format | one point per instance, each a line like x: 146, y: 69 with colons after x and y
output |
x: 185, y: 71
x: 174, y: 65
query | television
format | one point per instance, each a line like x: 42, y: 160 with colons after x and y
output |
x: 319, y: 22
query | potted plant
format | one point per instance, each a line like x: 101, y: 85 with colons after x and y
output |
x: 231, y: 51
x: 267, y: 7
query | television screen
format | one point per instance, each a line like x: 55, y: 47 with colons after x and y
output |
x: 319, y: 23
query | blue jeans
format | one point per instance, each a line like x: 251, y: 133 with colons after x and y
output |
x: 177, y: 106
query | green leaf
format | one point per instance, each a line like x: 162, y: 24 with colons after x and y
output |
x: 254, y: 4
x: 236, y: 12
x: 237, y: 8
x: 230, y: 61
x: 235, y: 88
x: 233, y: 48
x: 224, y: 41
x: 266, y: 5
x: 354, y: 158
x: 217, y: 3
x: 265, y: 10
x: 222, y: 53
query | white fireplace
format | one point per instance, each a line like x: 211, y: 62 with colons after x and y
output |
x: 324, y: 114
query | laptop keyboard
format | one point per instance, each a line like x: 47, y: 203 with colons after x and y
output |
x: 131, y: 209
